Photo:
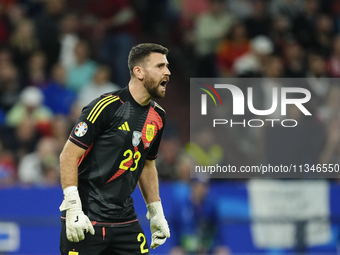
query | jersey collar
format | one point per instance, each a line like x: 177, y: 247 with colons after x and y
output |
x: 134, y: 102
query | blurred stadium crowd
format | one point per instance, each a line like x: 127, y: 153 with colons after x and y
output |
x: 57, y: 55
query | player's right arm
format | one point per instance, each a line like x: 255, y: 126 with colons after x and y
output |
x: 76, y: 221
x: 68, y: 164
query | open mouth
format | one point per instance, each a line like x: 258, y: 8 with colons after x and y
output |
x: 164, y: 82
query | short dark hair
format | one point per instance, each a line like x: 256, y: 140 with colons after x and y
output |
x: 141, y: 51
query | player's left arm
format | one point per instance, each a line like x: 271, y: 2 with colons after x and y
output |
x: 148, y: 183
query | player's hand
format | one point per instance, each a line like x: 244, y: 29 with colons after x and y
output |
x: 76, y: 221
x: 159, y: 226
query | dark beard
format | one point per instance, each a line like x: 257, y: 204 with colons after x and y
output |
x: 150, y: 87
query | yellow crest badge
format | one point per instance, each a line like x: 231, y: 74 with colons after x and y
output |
x: 72, y: 253
x: 150, y: 132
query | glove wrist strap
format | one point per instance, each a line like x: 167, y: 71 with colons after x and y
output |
x: 69, y: 189
x: 71, y: 200
x: 155, y: 208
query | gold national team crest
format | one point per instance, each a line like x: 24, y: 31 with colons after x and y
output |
x: 150, y: 132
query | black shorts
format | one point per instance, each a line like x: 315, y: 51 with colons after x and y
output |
x: 109, y: 239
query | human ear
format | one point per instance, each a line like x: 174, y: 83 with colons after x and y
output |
x: 138, y: 72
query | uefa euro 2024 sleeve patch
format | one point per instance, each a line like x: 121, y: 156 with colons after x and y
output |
x: 81, y: 129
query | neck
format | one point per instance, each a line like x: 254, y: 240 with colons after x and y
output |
x: 138, y: 92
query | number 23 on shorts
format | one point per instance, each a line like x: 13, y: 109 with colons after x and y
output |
x: 143, y: 246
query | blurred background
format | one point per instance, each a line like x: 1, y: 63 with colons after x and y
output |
x: 57, y: 55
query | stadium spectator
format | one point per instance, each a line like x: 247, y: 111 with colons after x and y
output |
x: 251, y: 64
x: 57, y: 96
x: 35, y: 73
x: 333, y: 64
x: 259, y: 22
x: 304, y: 23
x: 9, y: 86
x: 75, y: 110
x: 22, y: 139
x: 60, y: 130
x: 294, y: 59
x: 196, y: 219
x: 190, y: 10
x: 167, y: 160
x: 317, y: 76
x: 29, y: 106
x: 183, y: 168
x: 235, y: 45
x: 6, y: 57
x: 16, y: 13
x: 323, y: 35
x: 41, y: 166
x: 82, y: 72
x: 204, y: 150
x: 23, y: 43
x: 47, y: 27
x: 114, y: 29
x: 100, y: 85
x: 273, y: 68
x: 210, y: 28
x: 69, y: 38
x: 280, y: 33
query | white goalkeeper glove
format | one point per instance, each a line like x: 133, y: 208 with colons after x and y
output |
x: 76, y: 220
x: 159, y: 226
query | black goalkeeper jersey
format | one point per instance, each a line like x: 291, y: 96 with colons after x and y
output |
x: 118, y: 135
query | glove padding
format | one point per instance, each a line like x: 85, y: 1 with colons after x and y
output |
x: 159, y: 226
x: 76, y: 220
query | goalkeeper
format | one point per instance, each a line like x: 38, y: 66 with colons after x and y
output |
x: 111, y: 148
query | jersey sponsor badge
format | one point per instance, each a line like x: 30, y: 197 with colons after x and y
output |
x: 81, y: 129
x: 136, y: 137
x: 73, y: 253
x: 150, y: 132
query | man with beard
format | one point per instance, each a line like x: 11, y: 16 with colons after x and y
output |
x: 112, y: 147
